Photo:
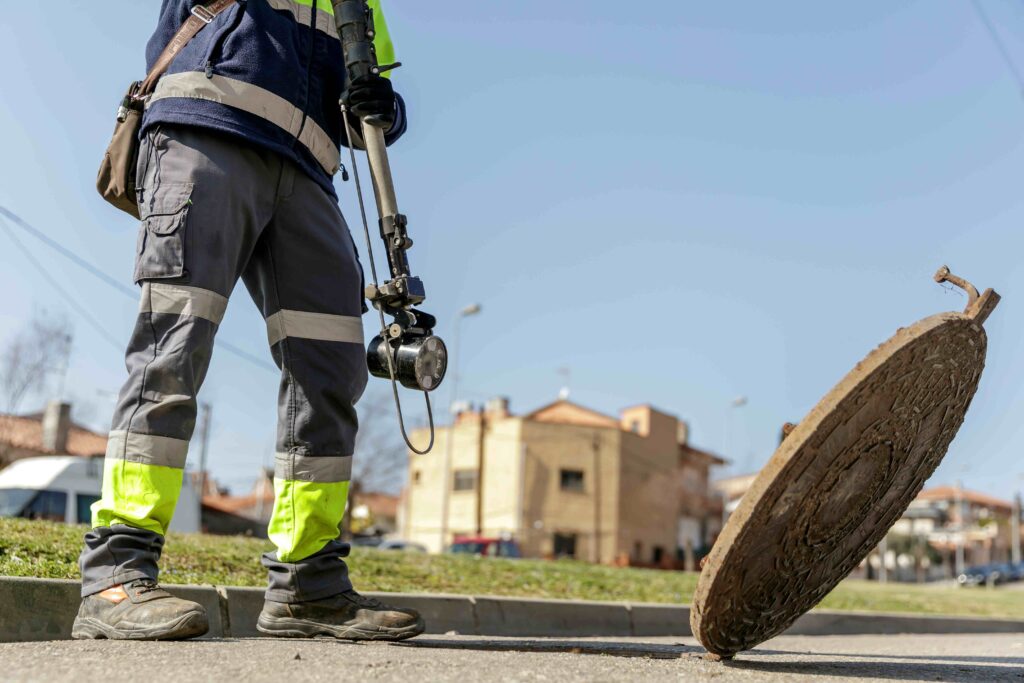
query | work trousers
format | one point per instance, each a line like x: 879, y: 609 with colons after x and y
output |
x: 214, y: 209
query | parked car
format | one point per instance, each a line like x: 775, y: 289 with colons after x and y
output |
x: 986, y: 574
x: 486, y: 546
x: 406, y: 546
x: 367, y: 541
x: 1006, y: 573
x: 61, y: 488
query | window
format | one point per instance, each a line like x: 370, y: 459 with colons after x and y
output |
x: 83, y: 503
x: 416, y: 477
x: 659, y: 554
x: 634, y: 426
x: 565, y: 546
x: 13, y: 501
x: 465, y: 480
x: 49, y: 505
x: 571, y: 480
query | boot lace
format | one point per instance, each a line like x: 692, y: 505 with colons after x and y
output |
x: 365, y: 601
x: 145, y: 585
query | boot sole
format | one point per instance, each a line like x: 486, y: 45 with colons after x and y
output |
x: 191, y: 625
x: 285, y: 627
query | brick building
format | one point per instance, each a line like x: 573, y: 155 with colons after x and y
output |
x: 567, y: 481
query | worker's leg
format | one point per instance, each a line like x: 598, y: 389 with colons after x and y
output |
x: 305, y: 277
x: 205, y: 199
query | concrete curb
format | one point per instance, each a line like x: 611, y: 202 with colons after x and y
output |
x: 44, y: 609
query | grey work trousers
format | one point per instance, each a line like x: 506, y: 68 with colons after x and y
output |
x: 215, y: 209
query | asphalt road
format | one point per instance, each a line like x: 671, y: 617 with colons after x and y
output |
x: 472, y: 659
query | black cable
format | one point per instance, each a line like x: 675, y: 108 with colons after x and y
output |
x: 67, y: 253
x: 1000, y: 46
x: 70, y: 300
x: 98, y: 273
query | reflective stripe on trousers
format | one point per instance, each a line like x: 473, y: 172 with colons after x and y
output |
x: 214, y: 211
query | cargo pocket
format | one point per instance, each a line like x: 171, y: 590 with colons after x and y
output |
x: 161, y: 248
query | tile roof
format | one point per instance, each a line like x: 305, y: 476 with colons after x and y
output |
x: 950, y: 493
x: 25, y: 432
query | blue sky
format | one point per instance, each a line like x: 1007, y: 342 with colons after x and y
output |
x: 681, y: 202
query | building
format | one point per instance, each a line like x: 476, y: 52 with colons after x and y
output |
x: 51, y: 432
x: 731, y: 489
x: 229, y: 515
x: 945, y: 528
x: 567, y: 481
x: 956, y: 521
x: 374, y: 513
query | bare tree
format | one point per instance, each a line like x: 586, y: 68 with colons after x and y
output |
x: 26, y: 363
x: 41, y: 348
x: 380, y: 459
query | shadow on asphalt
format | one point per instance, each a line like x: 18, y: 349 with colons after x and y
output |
x: 989, y: 659
x: 882, y: 669
x: 589, y: 647
x: 966, y: 669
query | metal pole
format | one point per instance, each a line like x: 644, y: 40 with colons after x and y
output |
x: 204, y: 445
x: 1015, y: 530
x: 596, y: 448
x: 446, y: 469
x: 960, y: 529
x: 480, y: 473
x: 883, y: 551
x: 521, y: 503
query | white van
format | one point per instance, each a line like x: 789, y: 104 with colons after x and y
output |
x: 61, y: 488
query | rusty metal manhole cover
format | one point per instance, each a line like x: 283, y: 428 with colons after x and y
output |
x: 841, y: 479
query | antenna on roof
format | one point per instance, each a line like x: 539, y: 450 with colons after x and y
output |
x: 563, y: 393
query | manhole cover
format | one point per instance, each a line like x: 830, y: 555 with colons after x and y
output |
x: 841, y: 479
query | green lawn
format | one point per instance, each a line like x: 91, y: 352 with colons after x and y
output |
x: 51, y: 551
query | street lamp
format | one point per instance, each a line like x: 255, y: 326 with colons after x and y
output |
x: 737, y: 402
x: 472, y: 309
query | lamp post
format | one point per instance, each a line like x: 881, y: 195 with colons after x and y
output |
x: 472, y: 309
x: 737, y: 402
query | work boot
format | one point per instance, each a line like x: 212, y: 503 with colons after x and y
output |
x: 349, y: 616
x: 138, y: 610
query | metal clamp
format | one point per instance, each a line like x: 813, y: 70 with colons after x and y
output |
x: 204, y: 15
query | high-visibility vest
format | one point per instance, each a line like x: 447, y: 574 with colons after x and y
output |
x: 269, y: 71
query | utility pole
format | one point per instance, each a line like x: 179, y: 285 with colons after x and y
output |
x: 883, y: 550
x: 596, y: 446
x: 204, y: 445
x: 446, y: 468
x: 480, y: 472
x: 1015, y: 529
x: 960, y: 528
x: 521, y: 503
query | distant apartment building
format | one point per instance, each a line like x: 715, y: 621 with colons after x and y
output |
x: 950, y: 517
x: 567, y: 481
x: 941, y: 523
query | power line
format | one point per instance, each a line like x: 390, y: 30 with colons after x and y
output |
x: 67, y: 253
x: 70, y: 300
x: 1000, y: 46
x: 98, y: 273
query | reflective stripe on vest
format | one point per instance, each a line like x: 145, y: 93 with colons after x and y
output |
x: 254, y: 100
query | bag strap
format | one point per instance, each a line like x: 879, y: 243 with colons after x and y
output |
x: 202, y: 15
